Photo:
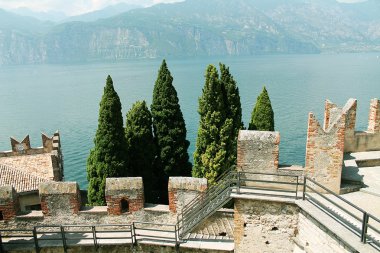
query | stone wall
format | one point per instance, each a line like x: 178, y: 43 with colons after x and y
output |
x: 184, y: 189
x: 59, y: 198
x: 129, y: 190
x: 258, y: 151
x: 45, y: 161
x: 374, y: 116
x: 8, y: 203
x: 324, y: 152
x: 314, y: 238
x: 140, y: 248
x: 264, y: 226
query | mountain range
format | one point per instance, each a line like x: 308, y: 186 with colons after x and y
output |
x: 193, y: 28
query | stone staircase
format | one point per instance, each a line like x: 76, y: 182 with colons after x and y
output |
x: 218, y: 226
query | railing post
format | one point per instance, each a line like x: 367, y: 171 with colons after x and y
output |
x: 1, y: 244
x: 63, y: 239
x: 364, y: 227
x: 37, y: 248
x: 297, y: 188
x: 134, y: 233
x: 176, y: 239
x: 94, y: 237
x: 304, y: 188
x: 238, y: 183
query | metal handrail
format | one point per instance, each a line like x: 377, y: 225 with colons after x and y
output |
x: 364, y: 220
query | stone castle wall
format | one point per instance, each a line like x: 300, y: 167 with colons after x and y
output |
x: 182, y: 190
x: 45, y: 161
x: 264, y: 226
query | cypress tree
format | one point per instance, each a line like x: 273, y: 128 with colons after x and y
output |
x: 169, y: 130
x: 262, y: 118
x: 214, y: 129
x: 108, y: 157
x: 233, y: 111
x: 141, y: 148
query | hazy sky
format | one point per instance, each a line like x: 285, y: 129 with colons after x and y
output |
x: 75, y: 7
x: 72, y: 7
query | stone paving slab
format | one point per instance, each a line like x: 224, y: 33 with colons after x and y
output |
x: 335, y: 227
x: 368, y: 176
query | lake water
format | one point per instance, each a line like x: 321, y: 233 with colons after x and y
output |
x: 45, y: 98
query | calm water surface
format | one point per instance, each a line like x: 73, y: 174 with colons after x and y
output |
x: 45, y: 98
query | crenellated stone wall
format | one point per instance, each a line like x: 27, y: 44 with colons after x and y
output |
x: 184, y: 189
x: 374, y: 116
x: 127, y: 190
x: 60, y: 198
x: 324, y: 152
x: 258, y: 151
x: 45, y: 161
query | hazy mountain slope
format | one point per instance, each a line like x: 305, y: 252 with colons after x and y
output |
x: 54, y: 16
x: 197, y: 28
x: 107, y: 12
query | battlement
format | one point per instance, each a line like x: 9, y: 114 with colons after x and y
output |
x: 45, y: 162
x: 258, y: 151
x: 182, y: 190
x: 49, y: 145
x: 325, y: 146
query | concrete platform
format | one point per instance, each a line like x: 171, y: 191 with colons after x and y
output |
x: 367, y: 176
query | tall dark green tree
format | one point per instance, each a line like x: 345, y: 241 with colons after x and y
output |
x: 262, y: 118
x: 233, y: 111
x: 141, y: 148
x: 169, y: 129
x: 107, y: 158
x: 214, y: 129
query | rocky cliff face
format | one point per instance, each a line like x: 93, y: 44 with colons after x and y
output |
x: 193, y: 28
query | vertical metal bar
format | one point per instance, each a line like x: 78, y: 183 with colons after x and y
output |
x: 94, y: 237
x: 1, y: 244
x: 364, y: 228
x: 297, y: 188
x: 130, y: 226
x: 238, y: 183
x: 176, y: 238
x: 304, y: 187
x: 63, y: 239
x: 37, y: 248
x: 134, y: 233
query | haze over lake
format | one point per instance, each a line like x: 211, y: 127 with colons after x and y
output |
x: 44, y: 98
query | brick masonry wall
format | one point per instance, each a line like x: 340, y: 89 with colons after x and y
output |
x: 374, y: 116
x: 114, y: 203
x: 324, y: 153
x: 130, y: 189
x: 264, y: 226
x: 59, y: 198
x: 182, y: 190
x: 60, y: 204
x: 9, y: 203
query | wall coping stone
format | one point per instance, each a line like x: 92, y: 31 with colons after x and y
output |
x: 187, y: 183
x: 58, y: 188
x: 264, y: 136
x: 123, y: 183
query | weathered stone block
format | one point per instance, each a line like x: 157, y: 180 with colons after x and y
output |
x: 258, y: 151
x: 183, y: 189
x: 60, y: 198
x: 124, y: 195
